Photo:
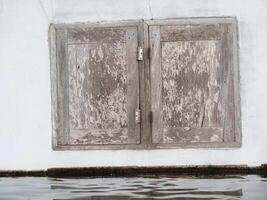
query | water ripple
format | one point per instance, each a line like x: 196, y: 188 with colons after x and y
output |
x: 231, y: 187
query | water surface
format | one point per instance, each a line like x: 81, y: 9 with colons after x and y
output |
x: 193, y: 188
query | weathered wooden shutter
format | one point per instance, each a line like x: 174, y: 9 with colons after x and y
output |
x: 145, y: 84
x: 194, y: 82
x: 96, y: 84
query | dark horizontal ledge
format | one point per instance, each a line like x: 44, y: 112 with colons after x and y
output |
x: 202, y: 170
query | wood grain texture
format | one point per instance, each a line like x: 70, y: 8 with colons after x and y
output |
x: 62, y: 87
x: 236, y: 77
x: 145, y: 88
x: 97, y: 85
x: 156, y: 84
x: 228, y: 87
x: 191, y: 32
x: 197, y: 75
x: 191, y: 108
x: 53, y: 81
x: 98, y: 93
x: 191, y: 89
x: 192, y: 21
x: 101, y: 24
x: 192, y: 135
x: 132, y: 84
x: 99, y: 136
x: 88, y: 35
x: 103, y: 85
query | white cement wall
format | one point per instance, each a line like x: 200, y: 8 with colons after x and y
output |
x: 25, y: 105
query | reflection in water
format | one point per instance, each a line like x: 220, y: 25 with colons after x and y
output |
x: 234, y: 187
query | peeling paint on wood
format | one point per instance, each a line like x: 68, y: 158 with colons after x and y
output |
x: 99, y: 136
x: 191, y: 32
x: 62, y: 87
x: 192, y: 83
x: 87, y: 35
x: 189, y: 80
x: 100, y: 86
x: 191, y: 90
x: 97, y: 86
x: 192, y: 134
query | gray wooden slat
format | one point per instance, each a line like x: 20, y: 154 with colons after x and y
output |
x: 89, y: 35
x: 91, y: 136
x: 62, y: 87
x: 236, y: 77
x: 193, y: 135
x: 191, y: 21
x: 156, y: 84
x: 145, y: 88
x: 53, y: 80
x: 228, y: 95
x: 202, y: 145
x: 101, y: 24
x: 191, y: 32
x: 132, y: 84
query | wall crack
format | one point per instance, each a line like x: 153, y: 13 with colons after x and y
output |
x: 150, y: 9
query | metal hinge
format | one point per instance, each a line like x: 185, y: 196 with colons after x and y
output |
x: 140, y: 53
x: 137, y: 116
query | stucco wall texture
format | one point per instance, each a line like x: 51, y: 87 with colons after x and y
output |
x: 25, y: 96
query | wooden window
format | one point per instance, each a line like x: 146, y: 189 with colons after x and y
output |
x: 194, y: 82
x: 95, y: 84
x: 105, y: 92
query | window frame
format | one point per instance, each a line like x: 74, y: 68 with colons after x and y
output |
x: 236, y: 80
x: 59, y: 139
x: 58, y: 42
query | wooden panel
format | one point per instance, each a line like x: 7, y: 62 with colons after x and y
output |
x: 191, y: 32
x: 145, y: 89
x: 97, y: 85
x: 87, y: 35
x: 132, y: 85
x: 236, y: 82
x: 190, y: 79
x: 53, y: 80
x: 192, y: 134
x: 103, y: 91
x: 192, y: 83
x: 228, y: 88
x: 191, y: 99
x: 156, y: 84
x: 62, y: 87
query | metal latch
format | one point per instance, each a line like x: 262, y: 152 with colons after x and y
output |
x: 137, y: 116
x: 139, y: 53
